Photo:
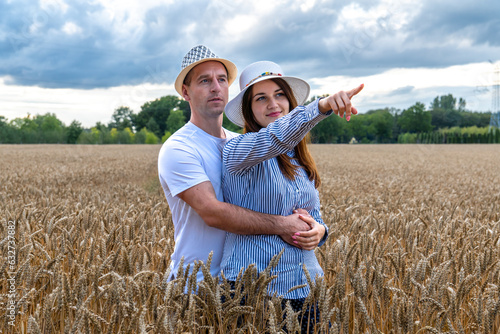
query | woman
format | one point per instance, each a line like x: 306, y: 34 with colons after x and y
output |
x: 270, y: 169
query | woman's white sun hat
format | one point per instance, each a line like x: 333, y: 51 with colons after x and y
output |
x: 259, y: 71
x: 198, y: 55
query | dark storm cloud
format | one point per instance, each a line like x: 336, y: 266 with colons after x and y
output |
x: 442, y: 34
x: 474, y: 20
x: 35, y: 49
x: 402, y: 90
x: 310, y: 45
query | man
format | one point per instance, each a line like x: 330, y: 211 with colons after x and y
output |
x: 190, y: 166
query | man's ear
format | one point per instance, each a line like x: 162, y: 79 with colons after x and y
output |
x: 185, y: 94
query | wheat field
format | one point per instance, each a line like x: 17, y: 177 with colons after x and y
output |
x: 86, y: 236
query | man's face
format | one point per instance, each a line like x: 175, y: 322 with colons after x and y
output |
x: 208, y: 89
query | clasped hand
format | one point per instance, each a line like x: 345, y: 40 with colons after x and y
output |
x: 310, y: 239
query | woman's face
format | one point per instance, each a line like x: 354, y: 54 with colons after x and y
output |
x: 269, y: 102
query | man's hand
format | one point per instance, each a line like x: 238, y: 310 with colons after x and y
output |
x: 340, y: 103
x: 310, y: 239
x: 235, y: 219
x: 291, y: 225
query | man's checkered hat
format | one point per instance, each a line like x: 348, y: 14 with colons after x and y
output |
x: 198, y: 55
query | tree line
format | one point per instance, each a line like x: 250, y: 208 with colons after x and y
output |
x: 446, y: 120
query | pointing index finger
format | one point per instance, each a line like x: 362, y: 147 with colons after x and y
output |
x: 355, y: 91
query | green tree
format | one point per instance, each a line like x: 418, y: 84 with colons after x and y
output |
x: 113, y: 134
x: 381, y: 123
x: 96, y: 136
x: 175, y: 121
x: 8, y: 134
x: 73, y: 131
x: 357, y: 128
x: 446, y: 102
x: 441, y: 118
x: 461, y: 104
x: 140, y: 136
x: 407, y: 138
x: 396, y: 129
x: 158, y: 109
x: 328, y: 131
x: 165, y: 137
x: 479, y: 119
x: 27, y: 129
x: 145, y: 137
x: 445, y: 113
x: 84, y: 138
x: 126, y: 136
x: 415, y: 119
x: 92, y: 136
x: 186, y: 109
x: 50, y: 128
x: 152, y: 125
x: 104, y: 134
x: 122, y: 118
x: 151, y: 138
x: 48, y: 122
x: 99, y: 126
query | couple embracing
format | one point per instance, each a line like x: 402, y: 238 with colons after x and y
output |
x: 246, y: 197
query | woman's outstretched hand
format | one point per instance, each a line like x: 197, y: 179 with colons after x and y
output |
x: 310, y: 239
x: 340, y: 103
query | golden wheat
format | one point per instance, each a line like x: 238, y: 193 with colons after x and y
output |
x: 413, y: 246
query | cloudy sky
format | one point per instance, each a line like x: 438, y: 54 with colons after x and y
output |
x: 83, y: 59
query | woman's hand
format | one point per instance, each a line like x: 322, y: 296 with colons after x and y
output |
x: 340, y: 103
x: 310, y: 239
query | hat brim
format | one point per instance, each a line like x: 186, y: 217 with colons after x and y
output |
x: 232, y: 72
x: 234, y: 111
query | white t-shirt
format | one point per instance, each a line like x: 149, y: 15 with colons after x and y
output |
x: 189, y: 157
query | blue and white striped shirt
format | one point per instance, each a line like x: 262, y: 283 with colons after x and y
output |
x: 251, y: 178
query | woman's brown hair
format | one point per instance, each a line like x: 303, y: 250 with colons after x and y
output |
x: 302, y: 153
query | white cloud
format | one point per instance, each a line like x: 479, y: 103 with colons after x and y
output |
x: 51, y: 6
x: 131, y: 11
x: 70, y: 28
x: 391, y: 88
x: 239, y: 26
x: 86, y: 106
x: 307, y: 5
